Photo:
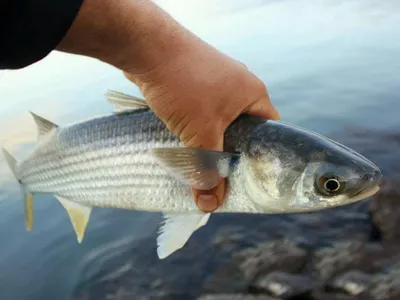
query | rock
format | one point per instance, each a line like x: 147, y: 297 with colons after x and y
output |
x: 159, y: 295
x: 324, y: 295
x: 227, y: 239
x: 355, y: 284
x: 283, y: 285
x: 386, y: 285
x: 392, y: 266
x: 267, y: 257
x: 236, y: 297
x: 343, y: 256
x: 225, y: 278
x: 384, y: 210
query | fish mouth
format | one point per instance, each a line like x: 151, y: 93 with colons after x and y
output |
x: 374, y: 180
x: 365, y: 193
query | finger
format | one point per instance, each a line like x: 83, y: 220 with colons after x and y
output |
x: 264, y: 108
x: 209, y: 200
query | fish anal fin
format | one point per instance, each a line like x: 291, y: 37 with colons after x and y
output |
x: 176, y: 231
x: 79, y: 215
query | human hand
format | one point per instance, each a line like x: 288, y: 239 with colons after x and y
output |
x: 195, y: 89
x: 198, y: 94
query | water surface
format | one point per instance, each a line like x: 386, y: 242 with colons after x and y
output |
x: 328, y: 66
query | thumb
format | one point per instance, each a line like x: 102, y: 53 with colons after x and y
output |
x: 209, y: 200
x: 263, y: 108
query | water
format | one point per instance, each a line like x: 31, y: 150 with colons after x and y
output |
x: 328, y: 66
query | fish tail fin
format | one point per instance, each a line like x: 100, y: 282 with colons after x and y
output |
x: 12, y: 162
x: 28, y: 210
x: 28, y: 197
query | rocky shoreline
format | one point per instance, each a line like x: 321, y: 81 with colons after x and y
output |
x: 350, y: 252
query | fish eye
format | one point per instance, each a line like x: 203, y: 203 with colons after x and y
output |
x: 330, y: 184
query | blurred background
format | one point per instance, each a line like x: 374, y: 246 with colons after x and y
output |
x: 330, y: 66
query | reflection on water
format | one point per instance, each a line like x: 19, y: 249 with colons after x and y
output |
x: 328, y: 65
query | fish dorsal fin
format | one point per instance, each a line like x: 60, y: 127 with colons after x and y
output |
x: 199, y: 168
x: 79, y: 215
x: 123, y: 102
x: 44, y: 126
x: 177, y: 229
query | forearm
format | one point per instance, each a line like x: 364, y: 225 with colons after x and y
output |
x: 134, y: 35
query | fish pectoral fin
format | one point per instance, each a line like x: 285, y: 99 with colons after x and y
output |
x: 199, y: 168
x: 123, y: 102
x: 28, y: 211
x: 176, y: 231
x: 79, y: 215
x: 44, y: 127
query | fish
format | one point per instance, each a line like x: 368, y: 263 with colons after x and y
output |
x: 129, y: 159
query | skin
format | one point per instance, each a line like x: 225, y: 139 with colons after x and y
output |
x: 194, y: 88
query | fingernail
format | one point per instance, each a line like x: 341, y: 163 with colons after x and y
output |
x: 207, y: 202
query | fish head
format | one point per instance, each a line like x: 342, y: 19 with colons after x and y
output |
x: 289, y: 169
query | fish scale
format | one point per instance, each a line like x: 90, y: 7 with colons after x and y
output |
x: 105, y: 162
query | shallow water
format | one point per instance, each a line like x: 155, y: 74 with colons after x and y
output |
x: 329, y: 66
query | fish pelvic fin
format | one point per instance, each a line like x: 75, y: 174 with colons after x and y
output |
x: 44, y: 126
x: 176, y: 230
x: 122, y: 102
x: 79, y: 215
x: 28, y: 197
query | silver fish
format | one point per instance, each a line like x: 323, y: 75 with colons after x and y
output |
x: 130, y: 160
